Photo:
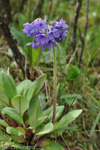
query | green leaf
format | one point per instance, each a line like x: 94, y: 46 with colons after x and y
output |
x: 3, y: 123
x: 12, y: 113
x: 4, y: 138
x: 23, y: 87
x: 36, y: 53
x: 35, y: 110
x: 7, y: 82
x: 46, y: 129
x: 13, y: 131
x: 68, y: 118
x: 29, y: 89
x: 54, y: 146
x: 59, y: 111
x: 36, y: 86
x: 21, y: 20
x: 18, y: 35
x: 3, y: 97
x: 48, y: 111
x: 20, y: 103
x: 2, y: 106
x: 38, y: 122
x: 69, y: 98
x: 73, y: 72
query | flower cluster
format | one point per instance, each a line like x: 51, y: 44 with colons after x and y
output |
x: 45, y: 35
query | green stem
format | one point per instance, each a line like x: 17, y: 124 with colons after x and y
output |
x: 54, y: 86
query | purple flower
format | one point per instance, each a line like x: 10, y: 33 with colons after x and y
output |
x: 34, y: 45
x: 27, y: 29
x: 45, y: 35
x: 41, y: 38
x: 62, y: 36
x: 61, y: 24
x: 49, y: 43
x: 50, y: 35
x: 41, y: 25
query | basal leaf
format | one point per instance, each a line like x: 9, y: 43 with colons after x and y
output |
x: 54, y: 146
x: 68, y: 118
x: 3, y: 97
x: 20, y: 103
x: 12, y: 113
x: 36, y: 86
x: 13, y: 131
x: 3, y: 123
x: 35, y: 110
x: 38, y: 122
x: 47, y: 129
x: 23, y: 87
x: 59, y: 111
x: 7, y: 82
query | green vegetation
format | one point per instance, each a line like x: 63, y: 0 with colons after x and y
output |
x: 26, y: 78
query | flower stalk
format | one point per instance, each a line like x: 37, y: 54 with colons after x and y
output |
x: 54, y: 85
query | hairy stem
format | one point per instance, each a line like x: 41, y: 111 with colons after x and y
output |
x: 54, y: 86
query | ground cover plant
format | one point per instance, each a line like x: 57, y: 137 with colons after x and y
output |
x: 49, y: 74
x: 22, y: 104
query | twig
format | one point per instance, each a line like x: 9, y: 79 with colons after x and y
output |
x: 78, y: 7
x: 18, y: 56
x: 85, y: 30
x: 6, y: 4
x: 65, y: 142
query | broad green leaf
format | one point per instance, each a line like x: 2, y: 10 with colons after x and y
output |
x: 18, y: 139
x: 20, y: 103
x: 69, y: 98
x: 68, y: 118
x: 59, y: 111
x: 2, y: 70
x: 4, y: 138
x: 3, y: 123
x: 38, y: 122
x: 12, y: 113
x: 3, y: 97
x: 14, y: 131
x: 48, y: 111
x: 35, y: 110
x: 54, y: 146
x: 2, y: 106
x: 7, y: 82
x: 23, y: 87
x: 36, y: 86
x: 22, y: 130
x: 21, y: 20
x: 47, y: 129
x: 18, y: 35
